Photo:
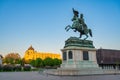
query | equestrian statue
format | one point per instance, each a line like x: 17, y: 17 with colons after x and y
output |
x: 79, y: 25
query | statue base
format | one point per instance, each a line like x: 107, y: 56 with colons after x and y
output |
x: 77, y: 42
x: 75, y: 71
x: 77, y: 65
x: 79, y: 58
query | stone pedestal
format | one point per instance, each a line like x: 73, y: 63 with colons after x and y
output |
x: 79, y: 58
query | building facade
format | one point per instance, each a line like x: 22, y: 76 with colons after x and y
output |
x: 31, y: 54
x: 108, y: 59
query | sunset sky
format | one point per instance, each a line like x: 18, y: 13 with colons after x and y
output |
x: 41, y: 23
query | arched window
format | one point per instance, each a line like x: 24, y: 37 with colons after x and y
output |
x: 64, y: 55
x: 70, y: 55
x: 85, y: 55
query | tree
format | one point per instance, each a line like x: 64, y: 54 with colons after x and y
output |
x: 9, y: 60
x: 22, y: 62
x: 38, y: 62
x: 12, y: 58
x: 32, y: 63
x: 57, y: 62
x: 18, y: 61
x: 48, y: 62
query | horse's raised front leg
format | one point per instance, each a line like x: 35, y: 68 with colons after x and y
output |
x: 67, y: 28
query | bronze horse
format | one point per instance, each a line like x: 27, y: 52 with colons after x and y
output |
x: 79, y: 25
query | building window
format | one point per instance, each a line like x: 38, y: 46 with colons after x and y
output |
x: 64, y: 55
x: 85, y: 55
x: 28, y: 53
x: 70, y: 55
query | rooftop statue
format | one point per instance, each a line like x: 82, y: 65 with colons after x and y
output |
x: 79, y: 25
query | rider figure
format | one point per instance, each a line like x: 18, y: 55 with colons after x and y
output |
x: 75, y: 13
x: 81, y: 20
x: 75, y: 19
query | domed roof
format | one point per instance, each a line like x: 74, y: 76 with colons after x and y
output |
x: 31, y: 48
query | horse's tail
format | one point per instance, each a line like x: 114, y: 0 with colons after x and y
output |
x: 90, y: 32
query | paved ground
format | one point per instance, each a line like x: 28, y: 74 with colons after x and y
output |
x: 40, y: 76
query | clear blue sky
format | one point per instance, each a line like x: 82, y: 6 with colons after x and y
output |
x: 41, y: 23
